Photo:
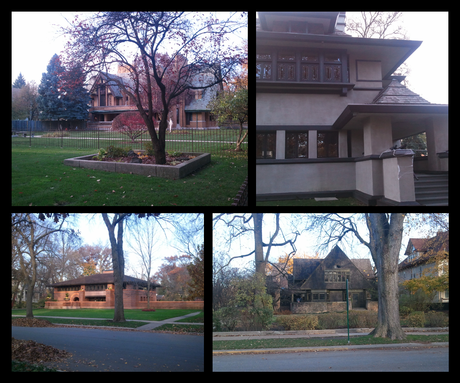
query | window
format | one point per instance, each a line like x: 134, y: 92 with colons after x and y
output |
x: 297, y: 145
x: 319, y: 296
x: 335, y: 276
x: 266, y: 145
x: 264, y: 66
x: 314, y: 65
x: 327, y: 144
x: 69, y: 288
x: 96, y: 287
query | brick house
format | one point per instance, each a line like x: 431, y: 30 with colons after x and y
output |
x: 108, y: 100
x: 97, y: 291
x: 421, y: 253
x: 329, y: 110
x: 319, y: 285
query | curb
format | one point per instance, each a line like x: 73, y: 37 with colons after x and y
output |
x: 329, y: 348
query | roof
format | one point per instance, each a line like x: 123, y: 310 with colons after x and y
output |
x: 101, y: 279
x: 429, y: 247
x: 201, y: 105
x: 396, y: 93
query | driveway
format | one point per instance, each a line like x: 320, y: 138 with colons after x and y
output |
x: 402, y: 359
x: 104, y: 350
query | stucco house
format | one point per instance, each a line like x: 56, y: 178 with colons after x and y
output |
x: 319, y: 285
x: 422, y: 254
x: 98, y: 291
x: 108, y: 100
x: 330, y: 114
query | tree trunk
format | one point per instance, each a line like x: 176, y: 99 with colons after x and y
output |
x: 385, y: 243
x: 259, y: 250
x: 118, y: 264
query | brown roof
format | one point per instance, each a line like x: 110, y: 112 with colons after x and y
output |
x: 396, y: 93
x: 428, y: 246
x: 101, y: 279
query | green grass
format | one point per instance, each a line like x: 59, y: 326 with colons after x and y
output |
x: 39, y: 178
x: 316, y: 342
x: 158, y: 315
x: 311, y: 202
x: 95, y: 322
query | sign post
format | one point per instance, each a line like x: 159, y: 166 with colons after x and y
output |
x: 348, y: 322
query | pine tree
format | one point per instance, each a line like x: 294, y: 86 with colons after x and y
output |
x: 75, y: 96
x: 50, y: 103
x: 19, y: 82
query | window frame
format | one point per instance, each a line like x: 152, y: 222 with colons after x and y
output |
x: 265, y: 148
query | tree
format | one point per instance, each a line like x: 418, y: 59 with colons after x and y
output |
x: 196, y: 272
x: 30, y: 238
x: 19, y: 82
x: 231, y: 106
x: 174, y: 277
x: 196, y: 44
x: 75, y: 96
x: 129, y: 123
x: 50, y: 103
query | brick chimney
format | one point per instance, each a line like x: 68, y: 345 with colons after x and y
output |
x: 340, y: 22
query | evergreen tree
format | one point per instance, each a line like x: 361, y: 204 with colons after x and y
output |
x: 19, y: 82
x: 75, y: 96
x: 50, y: 103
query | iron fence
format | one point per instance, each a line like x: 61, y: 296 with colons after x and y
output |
x: 77, y: 134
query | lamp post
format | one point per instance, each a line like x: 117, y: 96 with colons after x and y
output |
x: 348, y: 323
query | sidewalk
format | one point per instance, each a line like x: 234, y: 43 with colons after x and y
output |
x: 246, y: 335
x: 150, y: 326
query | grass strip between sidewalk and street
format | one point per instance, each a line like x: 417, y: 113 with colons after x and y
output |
x: 317, y: 342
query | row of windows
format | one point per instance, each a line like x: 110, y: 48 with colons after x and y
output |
x: 332, y: 276
x: 301, y: 65
x: 297, y: 145
x: 87, y: 287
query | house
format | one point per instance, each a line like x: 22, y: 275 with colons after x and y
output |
x: 421, y: 260
x: 319, y: 285
x: 330, y: 113
x: 108, y: 100
x: 98, y: 291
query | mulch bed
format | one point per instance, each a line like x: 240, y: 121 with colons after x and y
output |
x: 151, y: 159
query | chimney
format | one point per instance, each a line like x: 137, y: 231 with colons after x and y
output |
x: 340, y: 22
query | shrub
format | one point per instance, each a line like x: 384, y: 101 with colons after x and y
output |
x: 100, y: 155
x: 298, y: 322
x: 434, y: 319
x: 404, y: 310
x: 113, y: 152
x: 225, y: 318
x: 332, y: 320
x: 149, y: 148
x: 416, y: 319
x: 360, y: 319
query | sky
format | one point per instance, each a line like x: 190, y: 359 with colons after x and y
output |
x: 35, y: 40
x: 93, y: 232
x: 305, y: 243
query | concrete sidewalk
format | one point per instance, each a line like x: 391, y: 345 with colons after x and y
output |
x: 149, y: 326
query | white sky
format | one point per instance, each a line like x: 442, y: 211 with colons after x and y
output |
x: 35, y: 40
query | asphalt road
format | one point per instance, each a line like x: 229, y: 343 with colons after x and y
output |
x: 424, y: 359
x: 103, y: 350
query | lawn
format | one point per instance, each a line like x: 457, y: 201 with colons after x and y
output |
x: 158, y: 315
x: 317, y: 342
x: 39, y: 178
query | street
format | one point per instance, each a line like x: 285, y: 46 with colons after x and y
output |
x: 104, y: 350
x: 423, y: 359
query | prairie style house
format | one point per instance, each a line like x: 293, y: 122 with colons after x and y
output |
x: 421, y: 254
x: 330, y: 114
x: 108, y: 100
x: 98, y: 291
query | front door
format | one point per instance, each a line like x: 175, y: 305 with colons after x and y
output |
x: 357, y: 300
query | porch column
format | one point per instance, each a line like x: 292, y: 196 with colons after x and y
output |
x: 377, y: 135
x: 437, y: 136
x: 280, y: 144
x: 398, y: 175
x: 312, y: 144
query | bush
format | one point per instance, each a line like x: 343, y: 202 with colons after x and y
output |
x: 225, y: 318
x: 332, y: 320
x: 298, y: 322
x: 149, y: 148
x: 434, y: 319
x: 113, y: 152
x: 416, y: 319
x: 360, y: 319
x: 404, y: 310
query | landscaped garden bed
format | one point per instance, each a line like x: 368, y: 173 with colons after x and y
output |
x: 179, y: 166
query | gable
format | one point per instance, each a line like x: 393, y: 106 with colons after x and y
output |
x: 337, y: 266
